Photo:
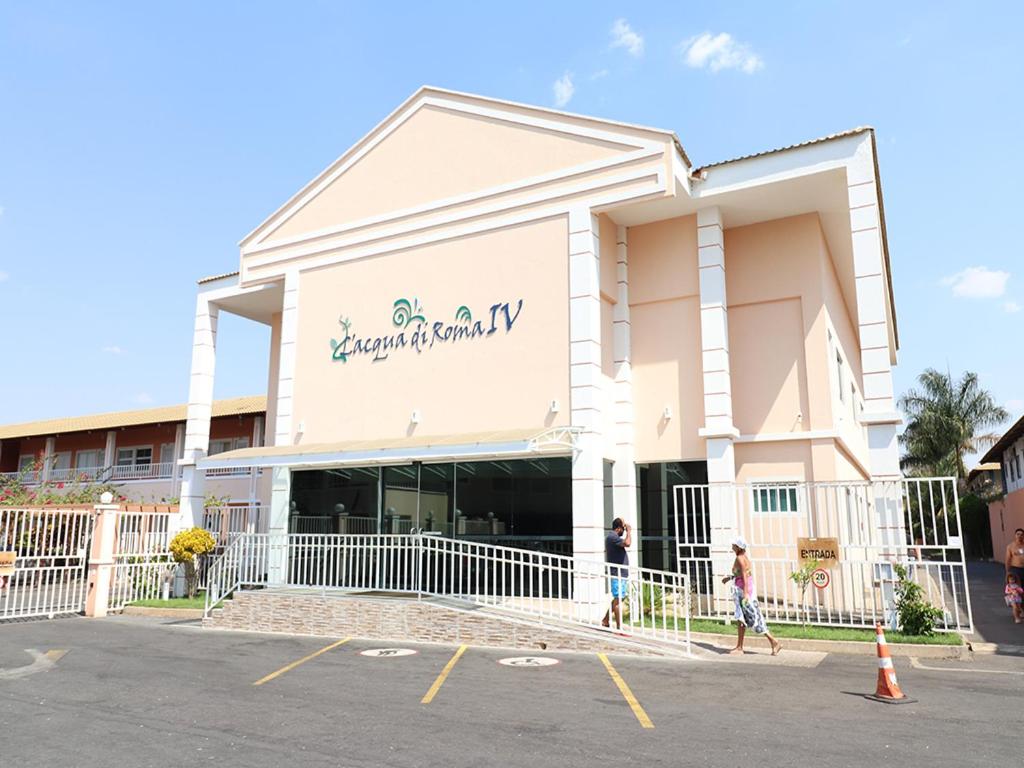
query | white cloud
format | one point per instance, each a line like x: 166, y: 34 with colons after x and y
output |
x: 1011, y: 307
x: 719, y: 51
x: 113, y: 349
x: 4, y: 277
x: 143, y: 398
x: 599, y: 74
x: 563, y: 89
x: 978, y: 283
x: 623, y: 36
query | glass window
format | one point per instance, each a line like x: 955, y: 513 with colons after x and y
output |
x: 88, y: 459
x: 437, y: 498
x: 775, y: 498
x: 167, y: 453
x: 525, y: 503
x: 135, y: 457
x: 25, y: 462
x: 343, y: 500
x: 839, y: 375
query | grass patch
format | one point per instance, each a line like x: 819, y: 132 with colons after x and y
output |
x: 199, y: 601
x: 710, y: 626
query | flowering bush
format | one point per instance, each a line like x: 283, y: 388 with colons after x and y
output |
x: 185, y: 547
x: 28, y: 489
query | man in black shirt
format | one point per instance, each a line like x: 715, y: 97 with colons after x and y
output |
x: 616, y: 544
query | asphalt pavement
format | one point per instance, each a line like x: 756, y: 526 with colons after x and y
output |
x: 143, y: 692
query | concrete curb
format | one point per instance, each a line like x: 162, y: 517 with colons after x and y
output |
x: 163, y: 613
x: 841, y: 646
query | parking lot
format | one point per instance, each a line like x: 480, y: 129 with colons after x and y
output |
x: 143, y: 692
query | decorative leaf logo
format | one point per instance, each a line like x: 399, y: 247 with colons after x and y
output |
x: 463, y: 315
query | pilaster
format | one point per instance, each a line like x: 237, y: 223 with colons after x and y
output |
x: 200, y: 410
x: 624, y: 469
x: 283, y: 429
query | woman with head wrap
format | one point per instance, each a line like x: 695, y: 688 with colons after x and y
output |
x: 747, y: 612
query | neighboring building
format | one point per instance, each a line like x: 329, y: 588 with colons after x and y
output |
x: 1007, y: 513
x: 138, y: 451
x: 986, y: 480
x: 509, y: 323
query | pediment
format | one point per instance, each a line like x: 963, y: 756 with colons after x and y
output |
x: 440, y: 150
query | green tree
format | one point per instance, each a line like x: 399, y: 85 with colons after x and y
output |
x: 946, y: 421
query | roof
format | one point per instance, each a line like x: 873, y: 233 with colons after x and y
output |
x: 991, y: 466
x: 1014, y: 433
x: 236, y: 406
x: 809, y: 142
x: 878, y: 189
x: 211, y: 278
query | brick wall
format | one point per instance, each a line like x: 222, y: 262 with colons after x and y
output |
x: 395, y: 619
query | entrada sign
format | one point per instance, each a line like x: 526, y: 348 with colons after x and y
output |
x: 415, y: 332
x: 825, y: 550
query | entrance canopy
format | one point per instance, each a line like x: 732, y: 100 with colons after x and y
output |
x: 558, y: 441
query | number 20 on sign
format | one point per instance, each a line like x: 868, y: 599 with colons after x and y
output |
x: 820, y: 578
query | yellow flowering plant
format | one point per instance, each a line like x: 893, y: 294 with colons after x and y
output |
x: 186, y: 546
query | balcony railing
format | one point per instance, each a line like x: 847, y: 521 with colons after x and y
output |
x: 159, y: 471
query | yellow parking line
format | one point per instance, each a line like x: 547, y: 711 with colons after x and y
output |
x: 429, y: 696
x: 627, y: 694
x: 303, y: 660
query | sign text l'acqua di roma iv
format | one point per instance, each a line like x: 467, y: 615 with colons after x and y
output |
x: 410, y: 329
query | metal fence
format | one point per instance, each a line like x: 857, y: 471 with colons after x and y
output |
x: 913, y: 523
x: 142, y: 558
x: 538, y: 585
x: 50, y: 549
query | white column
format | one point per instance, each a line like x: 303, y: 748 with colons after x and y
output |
x: 48, y: 451
x: 624, y: 469
x: 110, y: 449
x: 283, y: 434
x: 718, y: 430
x: 586, y: 408
x: 280, y: 508
x: 200, y: 410
x: 880, y: 414
x: 179, y: 447
x: 254, y: 473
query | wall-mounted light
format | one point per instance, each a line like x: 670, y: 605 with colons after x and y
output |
x: 415, y: 418
x: 302, y: 426
x: 667, y: 413
x: 555, y: 406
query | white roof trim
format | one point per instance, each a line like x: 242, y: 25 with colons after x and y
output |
x: 559, y: 441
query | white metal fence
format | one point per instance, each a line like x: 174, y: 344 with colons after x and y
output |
x: 539, y: 585
x: 914, y: 523
x: 50, y: 549
x: 142, y: 558
x: 228, y: 521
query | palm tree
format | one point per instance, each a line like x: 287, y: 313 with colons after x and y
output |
x: 947, y: 420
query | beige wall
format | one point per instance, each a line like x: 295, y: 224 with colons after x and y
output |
x: 664, y: 305
x: 501, y: 381
x: 438, y: 154
x: 783, y: 299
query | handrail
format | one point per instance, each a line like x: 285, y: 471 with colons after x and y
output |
x: 538, y: 585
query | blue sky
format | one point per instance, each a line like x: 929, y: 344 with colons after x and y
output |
x: 140, y: 141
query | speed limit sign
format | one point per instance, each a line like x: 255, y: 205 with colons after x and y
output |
x: 820, y: 578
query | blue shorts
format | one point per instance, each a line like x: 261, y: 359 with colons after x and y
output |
x: 619, y: 588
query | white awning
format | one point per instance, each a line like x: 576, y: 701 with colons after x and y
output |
x: 558, y: 441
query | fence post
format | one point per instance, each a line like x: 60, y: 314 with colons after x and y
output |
x: 101, y: 559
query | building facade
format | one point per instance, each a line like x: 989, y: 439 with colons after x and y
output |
x: 1006, y: 513
x: 137, y: 452
x: 499, y: 321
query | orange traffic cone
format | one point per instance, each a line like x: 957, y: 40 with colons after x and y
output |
x: 888, y: 690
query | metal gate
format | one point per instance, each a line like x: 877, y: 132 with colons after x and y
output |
x: 913, y: 523
x: 50, y: 551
